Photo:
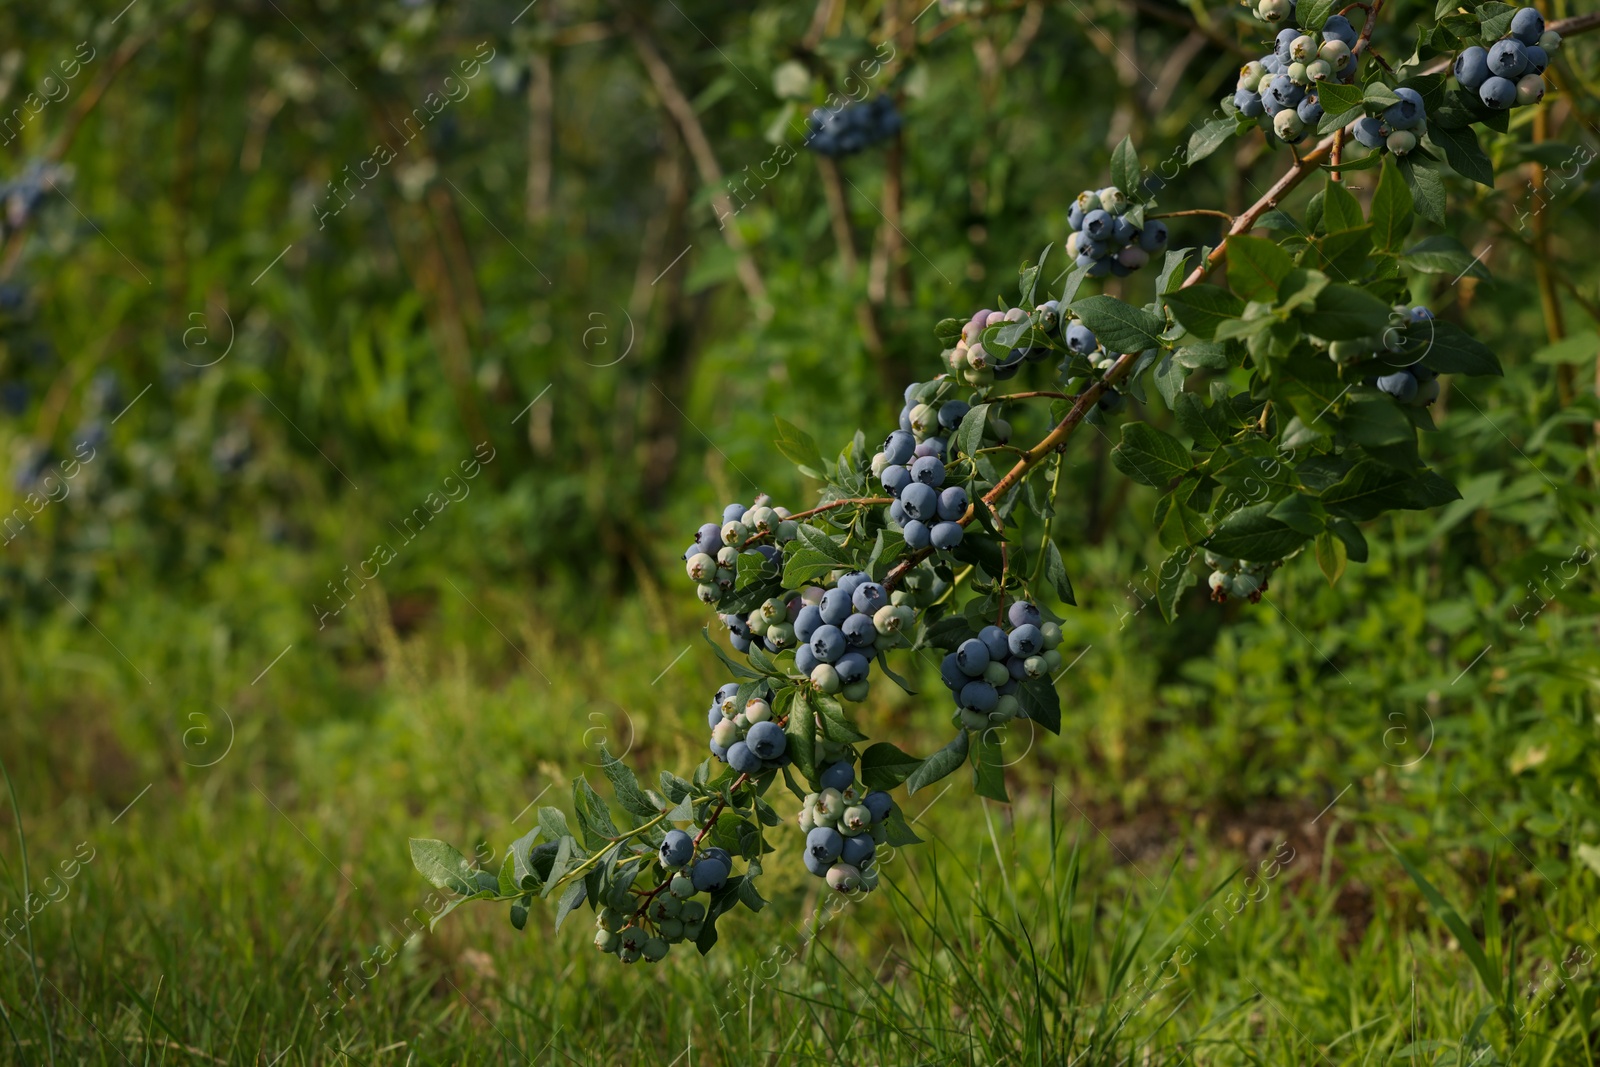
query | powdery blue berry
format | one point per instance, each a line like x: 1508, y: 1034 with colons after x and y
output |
x: 827, y: 643
x: 946, y: 535
x: 743, y: 759
x: 710, y: 874
x: 899, y: 446
x: 922, y: 501
x: 929, y: 471
x: 834, y: 606
x: 1527, y: 25
x: 840, y: 775
x: 1472, y: 68
x: 857, y: 851
x: 1026, y: 640
x: 1508, y: 59
x: 972, y: 657
x: 953, y: 503
x: 766, y: 740
x: 1498, y: 93
x: 978, y: 695
x: 917, y: 534
x: 677, y: 847
x: 1022, y: 613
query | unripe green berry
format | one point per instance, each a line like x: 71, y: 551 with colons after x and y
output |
x: 825, y: 678
x: 1007, y: 709
x: 1052, y: 658
x: 996, y: 673
x: 974, y: 720
x: 1036, y: 666
x: 735, y: 533
x: 830, y: 805
x: 693, y: 911
x: 1051, y: 632
x: 788, y: 530
x: 1400, y: 142
x: 1319, y: 70
x: 856, y: 691
x: 611, y: 919
x: 691, y: 930
x: 780, y: 636
x: 681, y: 886
x: 758, y: 710
x: 1297, y: 74
x: 671, y: 929
x: 607, y: 940
x: 856, y: 817
x: 654, y: 950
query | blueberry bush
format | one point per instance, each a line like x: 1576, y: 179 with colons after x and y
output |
x: 1299, y: 382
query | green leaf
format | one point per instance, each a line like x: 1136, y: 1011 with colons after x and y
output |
x: 1427, y: 190
x: 1125, y: 167
x: 797, y: 445
x: 1464, y: 154
x: 1355, y: 543
x: 626, y: 786
x: 1340, y: 208
x: 1579, y: 348
x: 739, y: 670
x: 1371, y: 488
x: 1120, y: 327
x: 988, y: 769
x: 1311, y: 14
x: 1256, y: 266
x: 836, y: 725
x: 1169, y: 376
x: 1055, y: 572
x: 949, y: 330
x: 883, y: 766
x: 569, y: 901
x: 1338, y: 102
x: 1150, y: 456
x: 1200, y: 309
x: 801, y: 732
x: 594, y: 815
x: 1344, y: 312
x: 442, y: 866
x: 1442, y: 254
x: 1331, y: 556
x: 1373, y: 418
x: 1196, y: 420
x: 1378, y: 97
x: 1487, y: 971
x: 1208, y: 356
x: 969, y: 435
x: 1208, y: 138
x: 940, y: 764
x: 1449, y: 349
x: 1251, y: 533
x: 1041, y: 703
x: 1392, y: 213
x: 899, y: 832
x: 1174, y: 577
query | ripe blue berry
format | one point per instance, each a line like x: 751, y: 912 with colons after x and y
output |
x: 840, y: 775
x: 1153, y: 238
x: 1369, y: 131
x: 1097, y: 224
x: 953, y: 503
x: 766, y: 740
x: 827, y: 643
x: 868, y: 597
x: 972, y: 657
x: 1498, y: 93
x: 1508, y: 59
x: 951, y: 674
x: 929, y: 471
x: 1338, y: 28
x: 1527, y: 25
x: 1538, y: 59
x: 859, y: 631
x: 743, y: 759
x: 922, y: 501
x: 807, y: 621
x: 857, y: 851
x: 879, y: 803
x: 1310, y: 111
x: 1400, y: 385
x: 835, y: 606
x: 849, y: 583
x: 732, y: 513
x: 917, y: 534
x: 677, y: 848
x: 946, y: 535
x: 1022, y: 613
x: 710, y: 874
x: 1080, y: 339
x: 1285, y: 39
x: 994, y: 639
x: 899, y: 446
x: 853, y: 667
x: 895, y: 478
x: 978, y: 695
x: 1407, y: 112
x: 804, y: 660
x: 952, y: 412
x: 1472, y: 68
x: 1026, y: 640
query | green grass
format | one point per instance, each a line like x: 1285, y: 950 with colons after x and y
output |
x: 1171, y: 885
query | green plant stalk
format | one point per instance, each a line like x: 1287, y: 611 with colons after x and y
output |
x: 27, y: 925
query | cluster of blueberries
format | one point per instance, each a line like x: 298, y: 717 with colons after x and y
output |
x: 746, y: 739
x: 1398, y: 128
x: 975, y: 365
x: 713, y: 560
x: 926, y: 511
x: 1104, y: 240
x: 983, y: 673
x: 1236, y: 577
x: 1282, y: 84
x: 1414, y: 385
x: 844, y: 825
x: 849, y: 128
x: 838, y: 630
x: 1507, y: 73
x: 674, y: 915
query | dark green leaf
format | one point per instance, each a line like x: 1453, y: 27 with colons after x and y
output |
x: 1251, y: 533
x: 1256, y: 266
x: 940, y: 764
x: 1200, y: 309
x: 969, y: 435
x: 1119, y: 327
x: 1208, y: 138
x: 626, y: 786
x: 988, y: 769
x: 1340, y: 209
x: 1373, y: 418
x: 1041, y: 703
x: 1442, y: 254
x: 1125, y: 167
x: 1391, y: 209
x: 1055, y: 572
x: 1174, y: 577
x: 1344, y: 312
x: 797, y: 445
x: 442, y: 866
x: 883, y: 766
x: 1150, y: 456
x: 1465, y: 155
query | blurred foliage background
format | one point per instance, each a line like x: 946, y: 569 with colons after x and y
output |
x: 272, y: 272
